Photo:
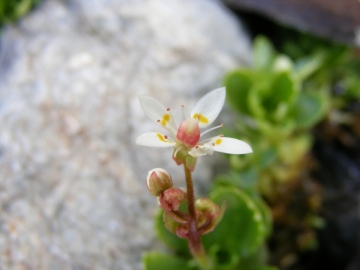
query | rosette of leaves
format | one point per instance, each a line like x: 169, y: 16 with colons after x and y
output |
x: 237, y: 242
x: 276, y: 114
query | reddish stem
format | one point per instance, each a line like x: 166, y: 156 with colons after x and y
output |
x: 194, y: 238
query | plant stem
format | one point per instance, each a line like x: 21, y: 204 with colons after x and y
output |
x: 195, y: 245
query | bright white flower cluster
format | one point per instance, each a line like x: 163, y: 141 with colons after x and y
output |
x: 187, y: 135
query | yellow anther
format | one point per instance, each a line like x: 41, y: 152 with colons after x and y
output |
x: 161, y: 137
x: 218, y: 141
x: 201, y: 118
x: 165, y: 119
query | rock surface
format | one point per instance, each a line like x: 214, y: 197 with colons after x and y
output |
x: 72, y: 182
x: 334, y: 20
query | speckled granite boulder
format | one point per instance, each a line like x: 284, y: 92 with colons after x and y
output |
x: 72, y: 182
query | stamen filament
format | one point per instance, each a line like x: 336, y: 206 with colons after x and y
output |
x: 168, y: 139
x: 210, y: 139
x: 183, y: 112
x: 211, y: 129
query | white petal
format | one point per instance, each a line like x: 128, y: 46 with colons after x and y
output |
x: 158, y: 112
x: 209, y: 107
x: 154, y: 139
x: 201, y: 150
x: 231, y: 146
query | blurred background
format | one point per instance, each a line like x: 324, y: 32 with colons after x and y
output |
x: 73, y: 189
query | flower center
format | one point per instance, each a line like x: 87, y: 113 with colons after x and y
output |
x: 189, y: 132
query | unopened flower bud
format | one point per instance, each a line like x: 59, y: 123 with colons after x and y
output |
x: 213, y: 214
x: 205, y: 205
x: 201, y: 218
x: 171, y: 199
x: 158, y: 180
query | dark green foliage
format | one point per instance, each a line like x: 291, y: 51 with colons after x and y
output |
x: 12, y: 10
x: 271, y: 93
x: 157, y: 261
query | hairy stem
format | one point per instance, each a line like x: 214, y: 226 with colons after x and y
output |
x: 195, y: 245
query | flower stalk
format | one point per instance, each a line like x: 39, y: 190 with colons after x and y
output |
x: 202, y: 215
x: 194, y: 237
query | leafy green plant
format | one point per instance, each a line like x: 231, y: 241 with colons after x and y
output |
x: 279, y: 100
x: 277, y: 111
x: 236, y: 243
x: 340, y: 68
x: 192, y: 227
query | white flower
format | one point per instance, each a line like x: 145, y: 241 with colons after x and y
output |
x: 187, y: 135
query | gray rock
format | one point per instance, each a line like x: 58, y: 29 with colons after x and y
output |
x: 335, y: 20
x: 72, y: 181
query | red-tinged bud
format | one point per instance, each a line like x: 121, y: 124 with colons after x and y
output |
x: 213, y: 220
x: 207, y: 207
x: 201, y: 219
x: 171, y: 199
x: 158, y: 180
x: 182, y: 231
x: 189, y: 132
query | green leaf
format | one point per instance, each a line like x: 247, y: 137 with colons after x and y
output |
x: 263, y: 53
x: 281, y: 112
x: 256, y: 100
x: 306, y: 66
x: 22, y: 8
x: 238, y: 84
x: 12, y: 10
x: 177, y: 244
x: 309, y: 109
x: 256, y: 261
x: 293, y: 149
x: 224, y: 260
x: 264, y: 267
x: 352, y: 84
x: 275, y: 134
x: 157, y: 261
x: 266, y: 214
x: 246, y: 180
x: 243, y: 227
x: 282, y: 90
